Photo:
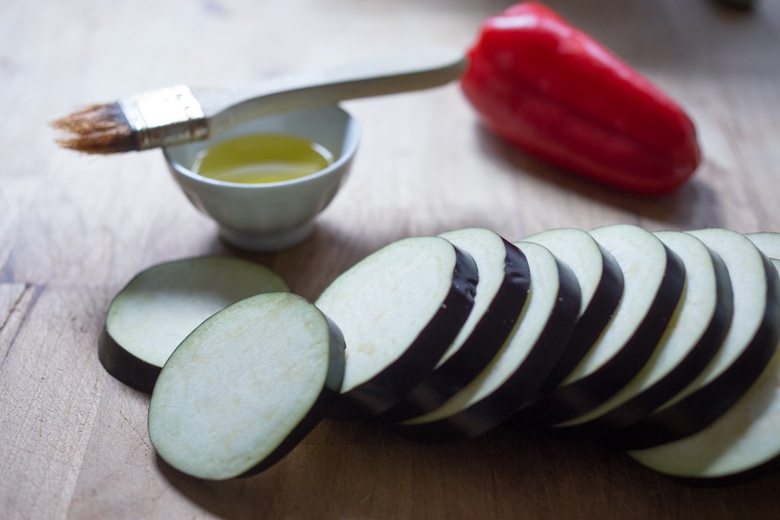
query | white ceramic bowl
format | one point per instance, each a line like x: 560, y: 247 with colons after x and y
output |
x: 267, y: 217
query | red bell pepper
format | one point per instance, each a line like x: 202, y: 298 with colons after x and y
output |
x: 561, y: 96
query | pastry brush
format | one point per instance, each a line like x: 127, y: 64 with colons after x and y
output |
x: 180, y: 114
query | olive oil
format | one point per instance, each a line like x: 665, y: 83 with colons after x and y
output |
x: 262, y: 159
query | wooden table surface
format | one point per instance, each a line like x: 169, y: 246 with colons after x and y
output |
x: 74, y: 229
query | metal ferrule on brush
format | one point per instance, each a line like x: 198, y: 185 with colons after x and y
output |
x: 165, y: 117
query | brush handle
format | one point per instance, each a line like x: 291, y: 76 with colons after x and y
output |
x: 399, y: 73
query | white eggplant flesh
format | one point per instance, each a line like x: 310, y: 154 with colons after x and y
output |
x: 747, y: 348
x: 399, y: 308
x: 693, y: 337
x: 504, y: 282
x: 160, y: 306
x: 768, y: 242
x: 521, y: 365
x: 246, y: 386
x: 653, y: 278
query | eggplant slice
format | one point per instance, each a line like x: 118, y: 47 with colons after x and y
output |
x: 519, y: 368
x: 400, y: 308
x: 160, y: 306
x: 654, y: 277
x: 504, y: 282
x: 246, y: 387
x: 601, y: 287
x: 693, y: 337
x: 749, y: 345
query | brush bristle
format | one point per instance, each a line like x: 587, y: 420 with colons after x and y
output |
x: 97, y: 129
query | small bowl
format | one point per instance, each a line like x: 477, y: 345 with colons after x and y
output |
x: 272, y: 216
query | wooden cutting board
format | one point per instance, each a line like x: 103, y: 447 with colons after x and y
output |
x: 74, y: 229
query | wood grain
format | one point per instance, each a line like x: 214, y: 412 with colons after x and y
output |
x: 74, y: 229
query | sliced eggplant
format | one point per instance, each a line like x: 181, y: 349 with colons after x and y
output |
x: 601, y: 286
x: 400, y: 308
x: 740, y: 444
x: 521, y: 365
x: 743, y: 442
x: 746, y: 350
x: 693, y: 336
x: 504, y: 282
x: 653, y: 282
x: 246, y: 386
x: 160, y: 306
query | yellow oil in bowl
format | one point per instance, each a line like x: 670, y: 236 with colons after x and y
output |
x: 262, y: 159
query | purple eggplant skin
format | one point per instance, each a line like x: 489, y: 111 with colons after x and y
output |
x: 478, y: 350
x: 492, y: 411
x: 390, y: 386
x: 125, y: 367
x: 328, y: 395
x: 646, y: 402
x: 699, y: 409
x: 570, y: 401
